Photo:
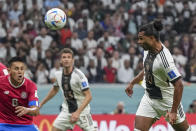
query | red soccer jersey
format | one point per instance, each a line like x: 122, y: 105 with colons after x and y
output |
x: 10, y: 97
x: 110, y: 74
x: 3, y: 70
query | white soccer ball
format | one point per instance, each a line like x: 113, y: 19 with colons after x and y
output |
x: 55, y: 19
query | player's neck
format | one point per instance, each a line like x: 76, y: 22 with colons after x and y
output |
x: 14, y: 83
x: 157, y: 48
x: 68, y: 70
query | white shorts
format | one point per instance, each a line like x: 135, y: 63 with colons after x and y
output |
x: 85, y: 122
x: 154, y: 108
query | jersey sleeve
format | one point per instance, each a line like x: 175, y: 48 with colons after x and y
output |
x: 56, y: 83
x: 83, y: 81
x: 33, y: 96
x: 171, y: 70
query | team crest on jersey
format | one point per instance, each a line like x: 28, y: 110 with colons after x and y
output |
x: 24, y: 95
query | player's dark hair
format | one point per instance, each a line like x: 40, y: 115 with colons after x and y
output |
x: 67, y: 50
x: 15, y: 59
x: 152, y: 29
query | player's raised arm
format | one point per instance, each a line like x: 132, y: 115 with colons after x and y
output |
x: 136, y: 80
x: 51, y: 94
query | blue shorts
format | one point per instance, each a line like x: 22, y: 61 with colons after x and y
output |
x: 16, y: 127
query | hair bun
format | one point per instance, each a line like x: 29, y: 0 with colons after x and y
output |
x: 158, y: 25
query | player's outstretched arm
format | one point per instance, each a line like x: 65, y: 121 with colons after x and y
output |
x: 51, y: 94
x: 76, y: 114
x: 32, y: 111
x: 136, y: 80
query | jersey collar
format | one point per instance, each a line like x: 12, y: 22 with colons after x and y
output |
x: 14, y: 85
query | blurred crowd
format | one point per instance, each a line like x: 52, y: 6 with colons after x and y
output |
x: 102, y: 34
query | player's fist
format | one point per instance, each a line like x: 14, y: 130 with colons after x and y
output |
x: 129, y: 90
x: 20, y: 111
x: 74, y: 117
x: 172, y: 117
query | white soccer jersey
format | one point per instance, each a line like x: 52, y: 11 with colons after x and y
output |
x: 160, y: 73
x: 72, y: 87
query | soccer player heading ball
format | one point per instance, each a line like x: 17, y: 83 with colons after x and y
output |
x: 18, y: 99
x: 75, y: 87
x: 162, y: 83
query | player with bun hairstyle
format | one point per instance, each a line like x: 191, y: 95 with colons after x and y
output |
x: 162, y: 83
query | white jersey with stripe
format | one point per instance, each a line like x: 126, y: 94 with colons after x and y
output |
x: 77, y: 83
x: 160, y: 72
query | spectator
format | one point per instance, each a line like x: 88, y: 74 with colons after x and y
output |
x: 132, y: 57
x: 36, y: 53
x: 80, y: 64
x: 119, y: 108
x: 14, y: 13
x: 82, y: 33
x: 180, y: 60
x: 91, y: 43
x: 45, y: 39
x: 100, y: 63
x: 126, y: 71
x: 186, y: 45
x: 192, y: 107
x: 86, y: 20
x: 107, y: 40
x: 48, y: 59
x: 109, y: 73
x: 92, y: 71
x: 65, y: 34
x: 116, y: 63
x: 192, y: 28
x: 56, y: 67
x: 76, y: 43
x: 42, y: 74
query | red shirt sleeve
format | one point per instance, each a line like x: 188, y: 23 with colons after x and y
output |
x: 33, y: 96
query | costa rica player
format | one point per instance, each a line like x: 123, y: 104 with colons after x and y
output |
x: 18, y: 99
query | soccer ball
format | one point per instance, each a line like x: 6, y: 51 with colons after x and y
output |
x: 55, y: 19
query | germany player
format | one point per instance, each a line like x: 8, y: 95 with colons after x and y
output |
x: 162, y: 83
x: 75, y: 88
x: 18, y: 99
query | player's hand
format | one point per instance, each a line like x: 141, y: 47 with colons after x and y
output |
x: 129, y: 90
x: 74, y: 117
x: 40, y: 105
x: 21, y: 110
x: 172, y: 117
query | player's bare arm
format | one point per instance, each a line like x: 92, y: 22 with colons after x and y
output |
x: 50, y: 95
x: 178, y: 89
x: 136, y: 80
x: 86, y: 101
x: 32, y: 111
